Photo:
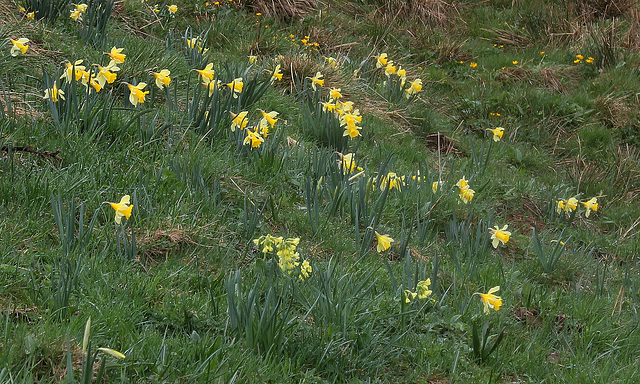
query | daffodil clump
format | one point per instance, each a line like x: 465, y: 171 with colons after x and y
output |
x: 396, y: 78
x: 285, y: 251
x: 466, y: 193
x: 258, y: 132
x: 344, y: 111
x: 78, y: 11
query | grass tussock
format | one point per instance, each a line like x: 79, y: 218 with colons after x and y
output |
x: 285, y: 10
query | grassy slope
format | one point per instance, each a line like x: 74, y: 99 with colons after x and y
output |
x: 570, y: 129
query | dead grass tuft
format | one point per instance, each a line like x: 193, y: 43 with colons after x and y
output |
x: 431, y: 13
x: 161, y: 242
x: 557, y: 79
x: 509, y: 38
x: 286, y: 10
x: 451, y: 51
x: 590, y: 10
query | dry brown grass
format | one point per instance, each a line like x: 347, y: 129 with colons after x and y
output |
x: 557, y: 79
x: 280, y: 9
x: 631, y: 39
x: 590, y: 10
x: 161, y: 242
x: 431, y: 13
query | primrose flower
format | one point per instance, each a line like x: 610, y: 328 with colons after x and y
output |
x: 117, y: 55
x: 414, y: 88
x: 497, y: 133
x: 53, y: 93
x: 317, y: 79
x: 305, y: 270
x: 162, y: 78
x: 19, y: 45
x: 136, y: 93
x: 381, y: 60
x: 499, y: 235
x: 253, y: 138
x: 408, y: 296
x: 591, y: 205
x: 335, y: 94
x: 239, y: 121
x: 490, y: 300
x: 423, y: 289
x: 277, y: 74
x: 207, y: 73
x: 236, y: 86
x: 123, y: 209
x: 384, y: 242
x: 172, y: 9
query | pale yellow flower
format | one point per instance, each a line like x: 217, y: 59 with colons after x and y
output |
x: 499, y: 235
x: 490, y: 300
x: 591, y: 205
x: 117, y: 55
x: 162, y: 78
x: 123, y: 209
x: 172, y: 8
x: 239, y: 121
x: 497, y: 133
x: 54, y: 93
x: 136, y: 93
x: 19, y: 46
x: 384, y: 242
x: 236, y: 86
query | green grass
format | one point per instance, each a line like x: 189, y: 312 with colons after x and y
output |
x: 181, y: 289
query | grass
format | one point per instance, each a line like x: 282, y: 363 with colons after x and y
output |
x: 182, y: 290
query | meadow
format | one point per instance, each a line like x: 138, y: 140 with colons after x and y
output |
x: 292, y: 191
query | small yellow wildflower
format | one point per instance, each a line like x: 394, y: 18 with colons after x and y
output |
x: 473, y: 65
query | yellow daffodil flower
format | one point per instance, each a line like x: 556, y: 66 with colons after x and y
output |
x: 75, y: 15
x: 591, y: 205
x: 207, y: 73
x: 335, y: 94
x: 499, y: 235
x: 19, y: 46
x: 277, y: 74
x: 252, y: 59
x: 466, y: 194
x: 162, y: 78
x: 53, y: 93
x: 389, y: 69
x: 82, y: 8
x: 117, y: 55
x: 462, y: 183
x: 347, y: 163
x: 136, y: 93
x: 93, y: 81
x: 497, y: 133
x: 31, y: 16
x: 253, y: 138
x: 317, y: 79
x: 236, y: 86
x: 172, y: 9
x: 239, y: 121
x: 567, y: 205
x: 123, y: 209
x: 423, y: 289
x: 490, y: 300
x: 414, y: 88
x: 384, y: 242
x: 106, y: 74
x: 268, y: 120
x: 381, y: 60
x: 332, y: 62
x: 75, y: 70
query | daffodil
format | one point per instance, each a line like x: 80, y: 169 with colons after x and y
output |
x: 497, y: 133
x: 239, y: 121
x: 75, y: 15
x: 75, y: 70
x: 19, y: 45
x: 591, y: 205
x: 207, y: 73
x: 252, y: 59
x: 93, y: 81
x: 384, y: 242
x: 172, y: 9
x: 136, y: 93
x: 414, y: 88
x: 347, y: 163
x: 31, y: 15
x: 490, y: 300
x: 334, y: 94
x: 107, y: 74
x: 277, y: 74
x: 123, y: 209
x: 81, y: 7
x: 317, y: 79
x: 436, y: 185
x: 567, y: 205
x: 112, y: 352
x: 423, y: 289
x: 254, y: 138
x: 332, y: 62
x: 499, y: 235
x: 162, y: 78
x: 389, y: 69
x: 236, y: 86
x: 268, y: 120
x: 462, y: 183
x: 117, y: 55
x: 53, y: 93
x: 381, y: 60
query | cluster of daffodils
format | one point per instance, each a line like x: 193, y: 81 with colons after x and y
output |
x: 78, y: 11
x: 579, y: 59
x: 399, y: 76
x: 288, y: 258
x: 390, y: 181
x: 466, y: 193
x: 569, y: 205
x: 422, y: 291
x: 196, y: 43
x: 344, y: 111
x: 28, y: 15
x: 257, y: 133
